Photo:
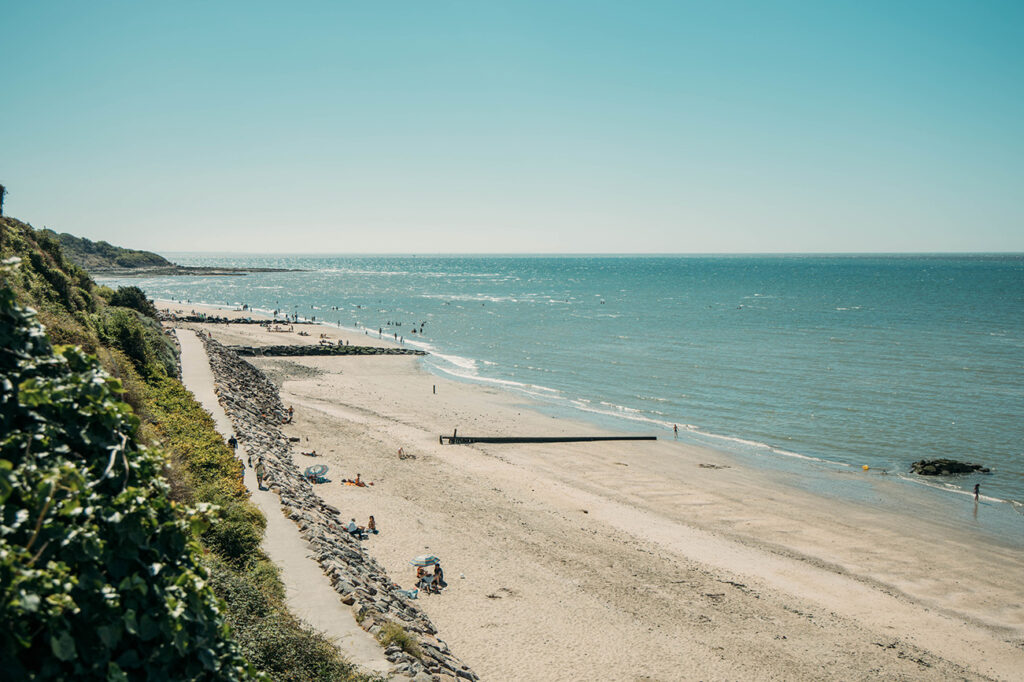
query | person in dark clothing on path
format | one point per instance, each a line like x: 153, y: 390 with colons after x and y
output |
x: 233, y: 443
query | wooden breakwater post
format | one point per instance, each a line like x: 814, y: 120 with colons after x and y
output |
x: 465, y: 440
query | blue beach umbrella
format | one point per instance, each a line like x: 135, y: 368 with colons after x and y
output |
x: 425, y: 560
x: 316, y: 470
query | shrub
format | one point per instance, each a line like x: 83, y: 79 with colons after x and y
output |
x: 140, y: 338
x: 134, y: 298
x: 272, y: 639
x: 99, y: 576
x: 236, y: 534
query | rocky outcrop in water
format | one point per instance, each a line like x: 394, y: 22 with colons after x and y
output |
x: 254, y: 406
x: 945, y: 467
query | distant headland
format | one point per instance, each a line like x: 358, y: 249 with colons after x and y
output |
x: 103, y: 258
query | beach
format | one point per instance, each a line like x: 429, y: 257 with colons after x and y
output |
x: 639, y: 560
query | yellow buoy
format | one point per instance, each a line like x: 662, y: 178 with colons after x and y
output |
x: 866, y: 467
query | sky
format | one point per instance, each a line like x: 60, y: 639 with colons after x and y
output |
x: 517, y: 127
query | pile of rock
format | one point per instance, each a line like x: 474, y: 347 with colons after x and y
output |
x: 945, y: 467
x: 255, y: 408
x: 322, y: 349
x: 166, y: 316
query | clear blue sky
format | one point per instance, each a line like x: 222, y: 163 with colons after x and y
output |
x: 544, y: 126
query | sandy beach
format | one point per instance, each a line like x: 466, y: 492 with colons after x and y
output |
x: 642, y: 560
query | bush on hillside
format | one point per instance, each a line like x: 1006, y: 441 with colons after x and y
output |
x: 134, y: 298
x: 99, y: 574
x: 272, y: 639
x: 138, y: 337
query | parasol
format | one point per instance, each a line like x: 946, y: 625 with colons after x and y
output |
x: 316, y: 470
x: 425, y: 560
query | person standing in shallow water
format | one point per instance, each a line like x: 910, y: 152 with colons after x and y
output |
x: 977, y: 487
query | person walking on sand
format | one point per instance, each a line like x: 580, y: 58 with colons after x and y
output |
x: 261, y: 472
x: 233, y: 443
x: 977, y: 487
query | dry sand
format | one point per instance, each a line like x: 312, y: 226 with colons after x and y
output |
x: 632, y: 561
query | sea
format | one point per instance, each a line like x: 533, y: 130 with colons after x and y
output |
x: 801, y: 363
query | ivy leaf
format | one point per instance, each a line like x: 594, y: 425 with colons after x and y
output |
x: 115, y: 674
x: 109, y: 635
x: 130, y: 624
x: 63, y: 646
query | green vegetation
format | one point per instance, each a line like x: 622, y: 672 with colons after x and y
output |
x: 119, y: 561
x: 101, y: 575
x: 73, y: 309
x: 134, y: 298
x: 208, y: 472
x: 98, y: 256
x: 393, y: 633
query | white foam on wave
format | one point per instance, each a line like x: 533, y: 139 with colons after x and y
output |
x: 956, y: 490
x: 758, y: 445
x: 482, y: 298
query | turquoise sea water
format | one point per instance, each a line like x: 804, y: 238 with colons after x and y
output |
x: 851, y: 360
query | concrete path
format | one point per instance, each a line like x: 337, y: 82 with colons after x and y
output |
x: 307, y: 589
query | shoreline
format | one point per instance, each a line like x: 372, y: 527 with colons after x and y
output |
x: 674, y: 523
x: 832, y: 476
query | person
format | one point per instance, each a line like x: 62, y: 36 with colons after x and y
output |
x: 261, y: 472
x: 401, y: 451
x: 977, y: 487
x: 371, y: 525
x: 311, y: 453
x: 353, y: 529
x: 233, y: 442
x: 357, y: 481
x: 675, y: 430
x: 439, y: 583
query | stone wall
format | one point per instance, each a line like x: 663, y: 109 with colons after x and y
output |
x: 254, y: 406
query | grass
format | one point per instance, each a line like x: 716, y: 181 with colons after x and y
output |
x: 393, y: 633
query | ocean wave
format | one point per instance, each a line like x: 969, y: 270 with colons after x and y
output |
x: 957, y: 490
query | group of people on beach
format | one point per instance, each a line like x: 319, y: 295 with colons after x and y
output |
x: 362, y: 532
x: 431, y: 583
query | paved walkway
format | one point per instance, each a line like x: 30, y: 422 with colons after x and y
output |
x: 307, y: 589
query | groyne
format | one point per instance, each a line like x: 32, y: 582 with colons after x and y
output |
x: 321, y: 349
x: 255, y: 408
